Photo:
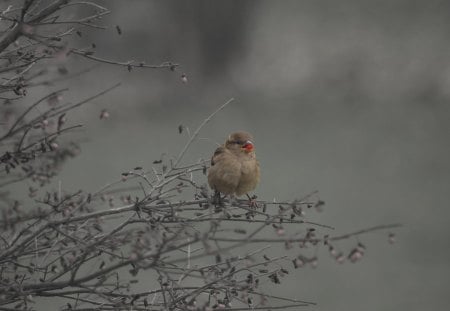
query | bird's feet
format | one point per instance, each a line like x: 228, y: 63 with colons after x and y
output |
x: 217, y: 201
x: 252, y: 202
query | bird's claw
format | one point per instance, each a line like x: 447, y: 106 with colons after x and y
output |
x: 252, y: 202
x: 217, y: 201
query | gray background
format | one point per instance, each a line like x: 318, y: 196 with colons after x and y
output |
x: 347, y: 97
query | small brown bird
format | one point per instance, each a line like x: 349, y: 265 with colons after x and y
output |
x: 234, y: 169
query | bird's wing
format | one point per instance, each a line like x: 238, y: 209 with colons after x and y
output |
x: 225, y: 171
x: 219, y: 151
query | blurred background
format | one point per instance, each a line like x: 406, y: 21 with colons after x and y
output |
x: 348, y: 97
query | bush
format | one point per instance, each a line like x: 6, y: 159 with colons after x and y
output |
x: 87, y: 253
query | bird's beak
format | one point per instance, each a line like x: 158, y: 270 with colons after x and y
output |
x: 248, y: 146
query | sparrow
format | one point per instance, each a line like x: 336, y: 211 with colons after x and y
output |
x: 234, y: 169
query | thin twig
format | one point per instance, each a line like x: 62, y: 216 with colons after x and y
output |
x: 197, y: 131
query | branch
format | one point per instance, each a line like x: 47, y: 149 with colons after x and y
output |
x: 336, y: 238
x: 128, y: 64
x: 16, y: 32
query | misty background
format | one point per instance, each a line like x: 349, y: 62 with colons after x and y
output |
x: 350, y: 98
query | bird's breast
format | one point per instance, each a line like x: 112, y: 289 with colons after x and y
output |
x: 249, y: 176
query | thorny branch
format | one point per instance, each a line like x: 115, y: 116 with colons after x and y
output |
x: 35, y: 37
x: 39, y: 31
x: 54, y: 249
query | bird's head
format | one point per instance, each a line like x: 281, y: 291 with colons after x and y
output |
x: 240, y: 142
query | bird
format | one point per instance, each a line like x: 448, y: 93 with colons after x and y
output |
x: 234, y: 168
